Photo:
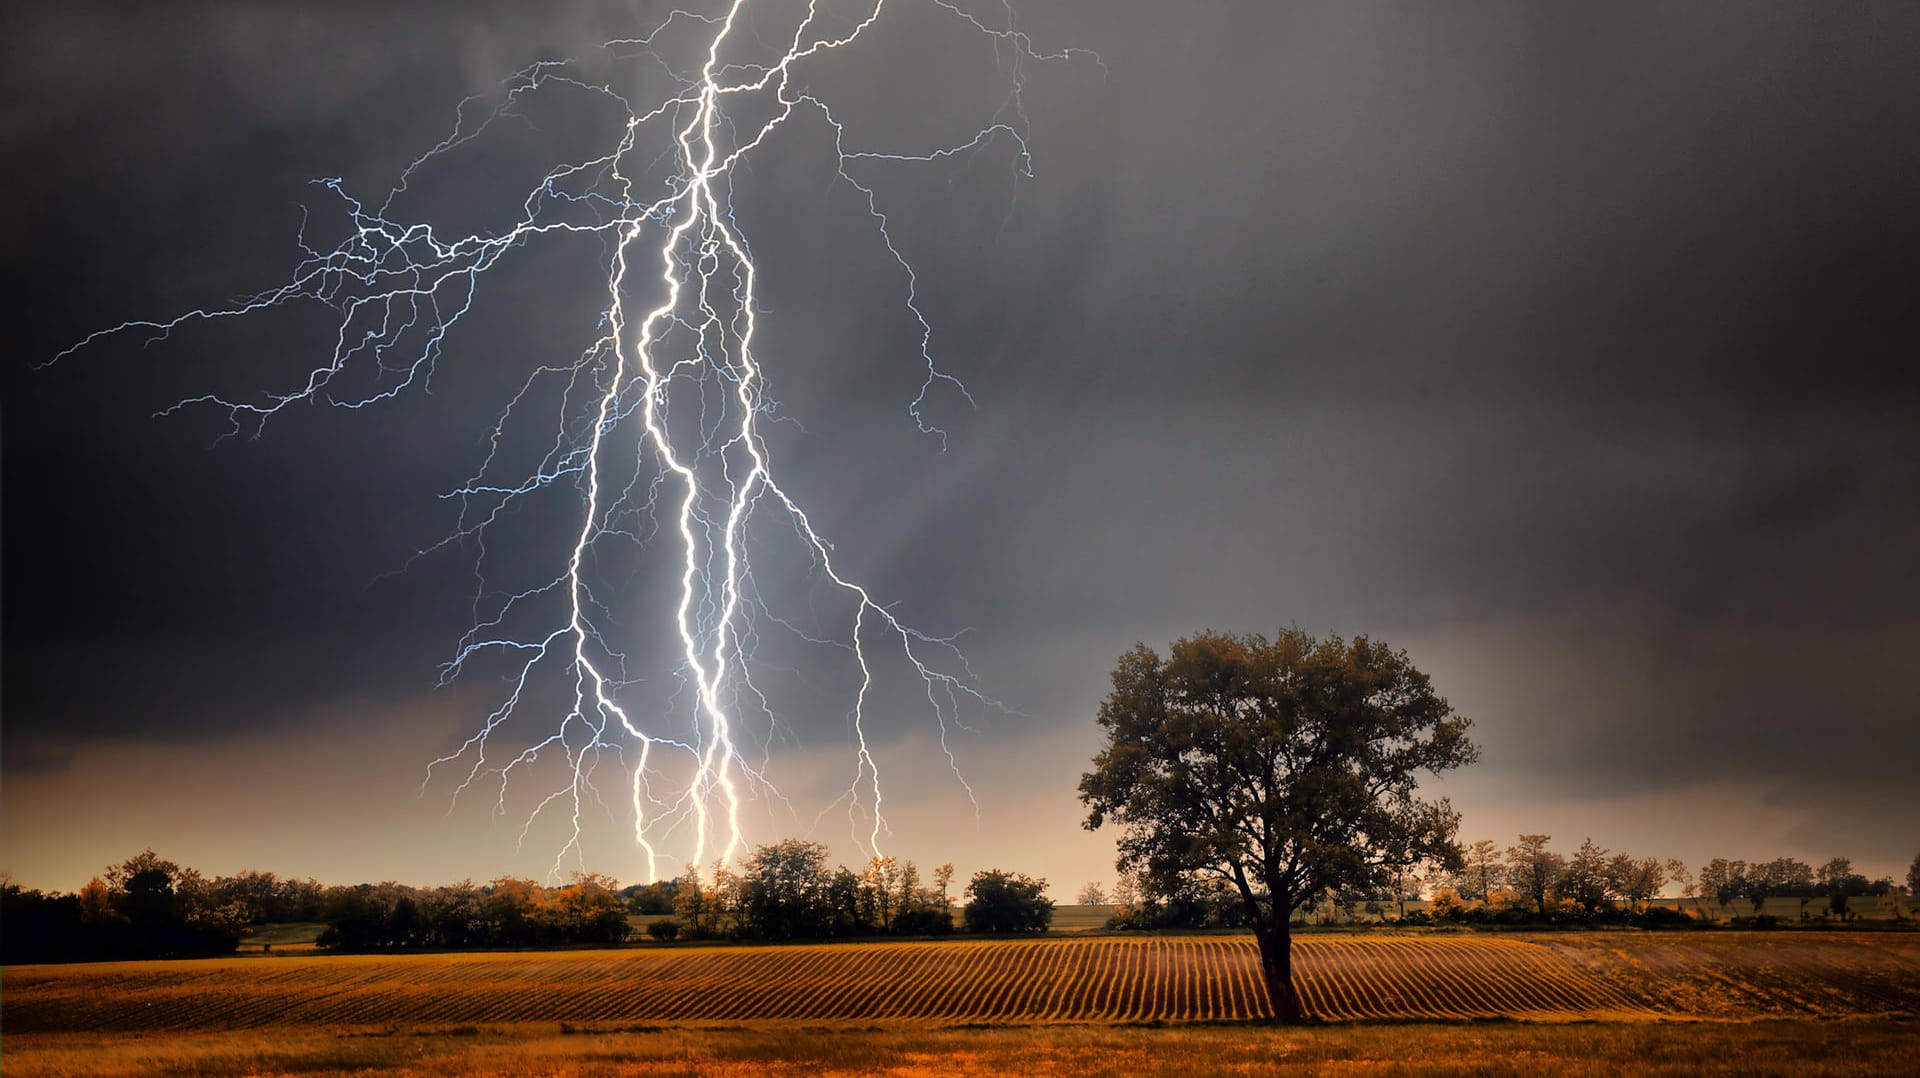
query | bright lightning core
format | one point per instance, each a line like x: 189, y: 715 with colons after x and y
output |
x: 660, y: 440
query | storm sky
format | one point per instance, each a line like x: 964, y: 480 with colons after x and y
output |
x: 1570, y: 350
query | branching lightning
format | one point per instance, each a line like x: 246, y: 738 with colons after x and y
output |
x: 674, y: 370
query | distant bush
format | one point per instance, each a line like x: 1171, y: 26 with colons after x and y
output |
x: 923, y: 921
x: 1007, y: 902
x: 664, y: 931
x: 1664, y: 917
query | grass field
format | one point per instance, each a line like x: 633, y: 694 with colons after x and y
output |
x: 1587, y: 1003
x: 286, y: 936
x: 1080, y: 918
x: 1800, y: 1049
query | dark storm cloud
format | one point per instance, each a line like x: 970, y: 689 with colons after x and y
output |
x: 1572, y: 347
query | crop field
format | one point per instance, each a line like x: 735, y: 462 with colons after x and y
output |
x: 1545, y: 977
x: 1804, y: 1004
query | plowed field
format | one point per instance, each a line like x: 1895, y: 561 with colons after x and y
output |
x: 1557, y: 977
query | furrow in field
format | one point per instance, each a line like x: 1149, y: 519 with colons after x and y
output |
x: 748, y: 978
x: 1102, y: 979
x: 1059, y: 977
x: 1249, y: 979
x: 1029, y: 985
x: 1126, y: 976
x: 981, y: 966
x: 1070, y: 1003
x: 1064, y: 975
x: 836, y: 1001
x: 741, y: 978
x: 928, y: 982
x: 972, y: 965
x: 990, y: 994
x: 1468, y: 992
x: 1360, y: 994
x: 1102, y: 992
x: 1389, y: 988
x: 1343, y: 1000
x: 783, y: 979
x: 1433, y: 968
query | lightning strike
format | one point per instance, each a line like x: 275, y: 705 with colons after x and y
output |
x: 673, y: 373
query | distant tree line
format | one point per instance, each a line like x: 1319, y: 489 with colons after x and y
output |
x: 786, y: 891
x: 1530, y: 883
x: 147, y: 907
x: 509, y: 912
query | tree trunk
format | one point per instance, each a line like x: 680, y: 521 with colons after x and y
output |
x: 1276, y: 965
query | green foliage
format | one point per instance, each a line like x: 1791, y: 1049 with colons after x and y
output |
x: 651, y: 899
x: 921, y: 920
x: 1007, y: 902
x: 1534, y: 870
x: 508, y: 912
x: 785, y: 892
x: 1191, y: 900
x: 1584, y: 881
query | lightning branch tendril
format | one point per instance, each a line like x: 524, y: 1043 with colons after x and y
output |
x: 681, y: 371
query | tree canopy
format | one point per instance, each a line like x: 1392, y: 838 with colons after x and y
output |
x: 1007, y: 902
x: 1286, y: 767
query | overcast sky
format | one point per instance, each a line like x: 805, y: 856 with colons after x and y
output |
x: 1570, y: 350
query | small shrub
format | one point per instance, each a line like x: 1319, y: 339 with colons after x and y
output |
x: 664, y: 931
x: 1663, y: 917
x: 923, y: 921
x: 1007, y: 902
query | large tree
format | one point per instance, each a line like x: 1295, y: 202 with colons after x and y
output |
x: 1286, y: 767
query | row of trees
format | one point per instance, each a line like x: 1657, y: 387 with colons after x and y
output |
x: 786, y: 891
x: 148, y: 907
x: 1527, y: 881
x: 1835, y: 882
x: 509, y: 912
x: 1594, y: 882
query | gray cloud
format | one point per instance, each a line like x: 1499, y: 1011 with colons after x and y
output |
x: 1569, y: 348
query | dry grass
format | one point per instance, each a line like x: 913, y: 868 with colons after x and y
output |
x: 1804, y: 1049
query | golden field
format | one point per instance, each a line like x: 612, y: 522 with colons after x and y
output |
x: 1800, y: 1049
x: 1585, y: 1002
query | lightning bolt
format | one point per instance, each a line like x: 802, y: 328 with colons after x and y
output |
x: 674, y: 372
